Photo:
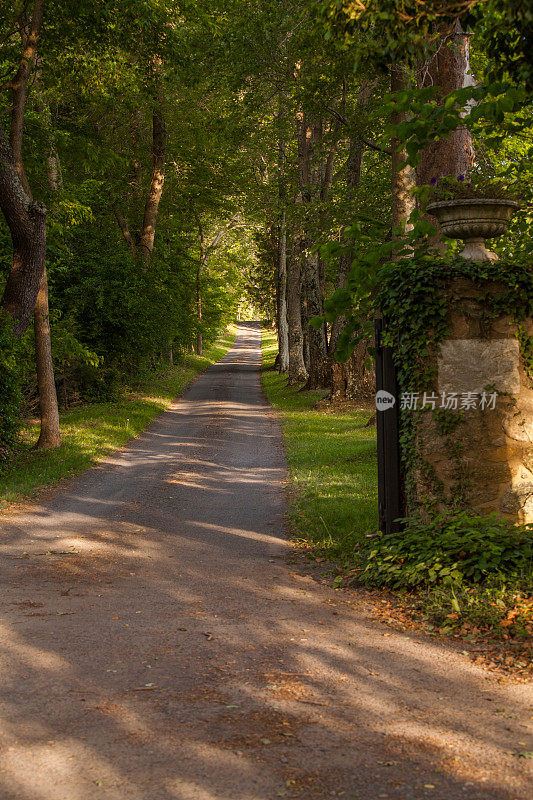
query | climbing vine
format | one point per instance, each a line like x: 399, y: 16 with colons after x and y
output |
x: 414, y: 301
x: 408, y: 284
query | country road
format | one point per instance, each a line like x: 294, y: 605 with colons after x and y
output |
x: 157, y: 643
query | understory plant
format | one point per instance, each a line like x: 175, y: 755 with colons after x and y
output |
x: 474, y: 186
x: 451, y: 549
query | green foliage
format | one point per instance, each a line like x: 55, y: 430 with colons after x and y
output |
x: 412, y: 297
x: 471, y: 187
x: 385, y: 32
x: 505, y: 29
x: 497, y: 110
x: 405, y: 280
x: 452, y: 549
x: 501, y: 604
x: 10, y: 390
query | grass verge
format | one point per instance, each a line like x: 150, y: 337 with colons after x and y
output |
x: 92, y: 431
x: 332, y: 462
x: 333, y: 504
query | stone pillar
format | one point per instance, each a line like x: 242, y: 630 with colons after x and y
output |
x: 478, y: 458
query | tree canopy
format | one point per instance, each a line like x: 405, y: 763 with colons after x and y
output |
x: 193, y: 159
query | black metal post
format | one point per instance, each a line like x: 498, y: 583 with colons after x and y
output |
x: 387, y: 420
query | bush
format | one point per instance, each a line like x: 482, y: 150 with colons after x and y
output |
x: 453, y: 549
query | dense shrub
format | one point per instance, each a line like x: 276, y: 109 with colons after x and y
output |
x: 452, y: 549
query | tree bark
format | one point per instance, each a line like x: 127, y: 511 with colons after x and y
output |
x: 26, y: 221
x: 281, y: 267
x: 297, y: 370
x: 199, y: 342
x: 123, y: 225
x: 353, y: 169
x: 50, y: 435
x: 318, y: 377
x: 309, y: 177
x: 403, y: 180
x: 283, y: 324
x: 25, y: 218
x: 448, y: 70
x: 157, y: 180
x: 140, y: 241
x: 305, y: 327
x: 351, y: 380
x: 19, y: 86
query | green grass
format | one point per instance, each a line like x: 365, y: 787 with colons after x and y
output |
x: 332, y: 462
x: 94, y: 430
x: 333, y: 503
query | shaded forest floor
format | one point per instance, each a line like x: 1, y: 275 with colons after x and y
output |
x: 333, y: 505
x: 92, y: 430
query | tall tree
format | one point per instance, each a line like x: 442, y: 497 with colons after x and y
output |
x: 25, y: 217
x: 282, y: 311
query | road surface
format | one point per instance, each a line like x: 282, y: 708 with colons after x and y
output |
x: 157, y: 643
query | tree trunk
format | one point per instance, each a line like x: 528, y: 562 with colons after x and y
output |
x: 297, y: 371
x: 157, y: 180
x: 318, y: 349
x: 353, y: 380
x: 199, y: 344
x: 448, y: 70
x: 50, y: 435
x: 403, y: 180
x: 305, y: 328
x: 19, y: 84
x: 354, y: 166
x: 310, y: 134
x: 141, y: 241
x: 26, y: 220
x: 283, y: 325
x: 350, y: 380
x: 282, y: 321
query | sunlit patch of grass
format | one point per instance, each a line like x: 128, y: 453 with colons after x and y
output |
x: 94, y: 430
x: 332, y: 462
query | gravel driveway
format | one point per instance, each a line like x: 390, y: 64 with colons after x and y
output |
x: 156, y: 643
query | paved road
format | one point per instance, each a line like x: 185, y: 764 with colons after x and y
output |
x: 156, y: 644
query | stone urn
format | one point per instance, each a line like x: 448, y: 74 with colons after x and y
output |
x: 474, y: 220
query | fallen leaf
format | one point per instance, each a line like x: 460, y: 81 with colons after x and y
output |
x: 144, y: 688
